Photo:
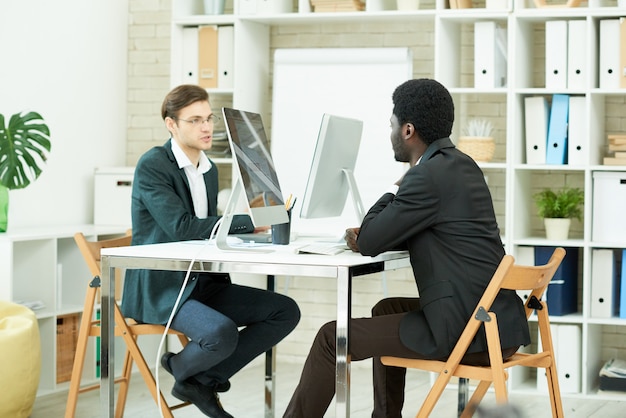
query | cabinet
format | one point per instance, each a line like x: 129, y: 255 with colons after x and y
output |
x: 444, y: 47
x: 44, y: 266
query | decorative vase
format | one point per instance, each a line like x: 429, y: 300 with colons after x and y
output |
x: 557, y: 229
x: 4, y: 208
x: 408, y: 4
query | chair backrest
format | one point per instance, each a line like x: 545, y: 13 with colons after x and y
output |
x: 91, y: 249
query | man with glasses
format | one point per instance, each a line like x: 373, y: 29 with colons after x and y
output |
x: 174, y: 198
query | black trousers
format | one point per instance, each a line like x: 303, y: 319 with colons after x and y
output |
x: 369, y: 338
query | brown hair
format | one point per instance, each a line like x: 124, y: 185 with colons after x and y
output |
x: 180, y: 97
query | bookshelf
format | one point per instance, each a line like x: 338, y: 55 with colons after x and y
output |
x: 448, y: 56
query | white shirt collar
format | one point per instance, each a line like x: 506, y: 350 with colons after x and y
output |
x: 183, y: 161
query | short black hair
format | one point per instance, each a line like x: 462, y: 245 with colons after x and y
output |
x: 426, y: 104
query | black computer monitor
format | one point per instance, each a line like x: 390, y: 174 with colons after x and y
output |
x: 331, y: 177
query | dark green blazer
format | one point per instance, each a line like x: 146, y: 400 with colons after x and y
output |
x: 443, y: 214
x: 162, y: 211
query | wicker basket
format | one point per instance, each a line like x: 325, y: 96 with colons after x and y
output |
x: 479, y: 148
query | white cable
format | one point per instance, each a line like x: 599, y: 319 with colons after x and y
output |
x: 169, y: 321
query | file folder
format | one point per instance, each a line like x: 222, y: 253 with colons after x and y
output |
x: 622, y: 48
x: 524, y: 256
x: 609, y: 53
x: 556, y: 54
x: 556, y: 149
x: 536, y: 117
x: 576, y: 54
x: 207, y: 56
x: 577, y: 135
x: 622, y: 297
x: 189, y: 70
x: 566, y: 342
x: 562, y: 292
x: 490, y: 55
x: 604, y: 284
x: 225, y: 56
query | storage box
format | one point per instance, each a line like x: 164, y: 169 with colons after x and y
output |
x: 613, y: 375
x: 609, y: 207
x: 67, y: 337
x: 112, y: 196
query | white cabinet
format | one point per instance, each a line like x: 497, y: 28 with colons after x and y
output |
x: 444, y: 46
x: 43, y: 266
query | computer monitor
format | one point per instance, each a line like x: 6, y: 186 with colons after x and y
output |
x: 255, y: 174
x: 331, y: 177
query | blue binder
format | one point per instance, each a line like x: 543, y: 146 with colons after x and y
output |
x: 556, y: 150
x: 562, y: 292
x: 622, y: 287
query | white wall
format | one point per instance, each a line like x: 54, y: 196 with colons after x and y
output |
x: 67, y: 60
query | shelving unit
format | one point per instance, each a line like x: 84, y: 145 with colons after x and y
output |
x: 511, y: 180
x: 44, y: 265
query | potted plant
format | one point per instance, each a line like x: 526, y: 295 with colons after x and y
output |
x: 477, y: 141
x: 557, y: 208
x: 24, y: 146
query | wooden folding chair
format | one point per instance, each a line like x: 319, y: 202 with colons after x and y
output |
x: 127, y: 328
x: 507, y: 276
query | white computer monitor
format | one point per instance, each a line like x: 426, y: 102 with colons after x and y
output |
x: 255, y: 174
x: 331, y: 177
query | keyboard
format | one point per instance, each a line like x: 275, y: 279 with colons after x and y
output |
x: 323, y: 248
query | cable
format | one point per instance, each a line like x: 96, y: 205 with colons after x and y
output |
x: 169, y: 321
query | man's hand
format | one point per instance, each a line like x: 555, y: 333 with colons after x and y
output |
x: 351, y: 236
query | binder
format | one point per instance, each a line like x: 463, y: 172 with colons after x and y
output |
x: 622, y: 297
x: 524, y: 256
x: 576, y: 54
x: 622, y: 48
x: 189, y: 69
x: 609, y: 53
x: 556, y: 54
x: 207, y: 56
x: 566, y: 342
x: 603, y: 284
x: 577, y: 135
x: 556, y: 149
x: 562, y: 292
x: 225, y: 56
x: 489, y: 55
x: 536, y: 116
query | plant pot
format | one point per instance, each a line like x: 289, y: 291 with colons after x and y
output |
x: 477, y: 147
x: 408, y: 4
x: 4, y: 208
x: 557, y: 229
x: 460, y: 4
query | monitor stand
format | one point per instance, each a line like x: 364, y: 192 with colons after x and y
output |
x: 354, y: 192
x: 221, y: 238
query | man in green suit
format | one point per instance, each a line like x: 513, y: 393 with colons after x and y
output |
x: 174, y: 198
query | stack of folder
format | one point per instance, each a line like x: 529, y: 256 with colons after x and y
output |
x: 617, y: 150
x: 207, y: 56
x: 337, y: 5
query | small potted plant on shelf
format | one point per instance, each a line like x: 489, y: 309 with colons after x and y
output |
x: 24, y: 147
x: 477, y: 141
x: 557, y: 208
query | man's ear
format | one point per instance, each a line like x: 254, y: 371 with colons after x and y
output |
x: 409, y: 129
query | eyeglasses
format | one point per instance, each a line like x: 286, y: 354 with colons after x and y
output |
x: 211, y: 120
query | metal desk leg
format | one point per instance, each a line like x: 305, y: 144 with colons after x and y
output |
x: 270, y: 367
x: 463, y: 394
x: 107, y: 328
x: 344, y: 300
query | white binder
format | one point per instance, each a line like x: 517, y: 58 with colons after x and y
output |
x: 189, y: 64
x: 578, y: 137
x: 577, y: 54
x: 536, y: 114
x: 609, y: 54
x: 524, y: 256
x: 566, y: 340
x: 225, y: 57
x: 602, y: 283
x: 556, y: 54
x: 489, y: 55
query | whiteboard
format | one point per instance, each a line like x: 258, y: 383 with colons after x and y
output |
x: 350, y: 82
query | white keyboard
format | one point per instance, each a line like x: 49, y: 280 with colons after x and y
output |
x: 323, y: 248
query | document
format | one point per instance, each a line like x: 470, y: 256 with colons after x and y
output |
x: 536, y: 117
x: 207, y: 56
x: 556, y: 54
x: 604, y: 283
x: 225, y: 56
x: 490, y: 55
x: 561, y: 295
x: 609, y: 53
x: 577, y: 133
x: 577, y: 74
x: 566, y: 342
x: 556, y: 149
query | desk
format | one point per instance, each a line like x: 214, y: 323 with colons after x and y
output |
x: 206, y: 257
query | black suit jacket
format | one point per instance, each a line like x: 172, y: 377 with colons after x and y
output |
x: 162, y: 211
x: 443, y: 214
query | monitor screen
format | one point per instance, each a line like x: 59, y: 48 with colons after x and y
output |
x: 331, y: 176
x: 254, y: 166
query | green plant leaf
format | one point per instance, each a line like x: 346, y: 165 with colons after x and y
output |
x: 24, y: 147
x: 564, y: 203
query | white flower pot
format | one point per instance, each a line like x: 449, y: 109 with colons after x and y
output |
x: 557, y: 229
